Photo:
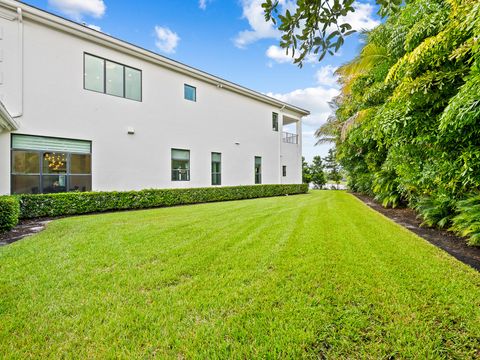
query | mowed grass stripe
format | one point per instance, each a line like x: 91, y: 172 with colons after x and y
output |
x: 315, y: 275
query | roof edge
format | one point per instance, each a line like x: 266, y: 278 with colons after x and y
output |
x: 6, y: 120
x: 76, y: 29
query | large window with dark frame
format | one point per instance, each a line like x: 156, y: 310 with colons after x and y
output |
x: 258, y: 170
x: 112, y: 78
x: 180, y: 165
x: 216, y: 168
x: 49, y: 165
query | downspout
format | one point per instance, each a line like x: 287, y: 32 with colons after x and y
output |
x: 280, y: 168
x: 20, y: 58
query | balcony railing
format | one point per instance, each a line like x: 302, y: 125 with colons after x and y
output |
x: 289, y: 138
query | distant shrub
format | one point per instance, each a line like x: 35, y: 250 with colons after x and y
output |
x: 42, y: 205
x: 9, y: 212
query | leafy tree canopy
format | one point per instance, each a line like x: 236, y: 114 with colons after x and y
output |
x: 317, y: 26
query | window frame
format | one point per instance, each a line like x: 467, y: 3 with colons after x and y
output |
x: 105, y: 77
x: 275, y: 121
x: 171, y: 164
x: 259, y: 182
x: 212, y: 173
x: 41, y: 173
x: 185, y: 85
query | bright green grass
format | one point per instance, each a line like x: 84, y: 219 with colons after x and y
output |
x: 315, y: 275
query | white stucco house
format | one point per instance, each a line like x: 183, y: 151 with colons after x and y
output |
x: 81, y: 110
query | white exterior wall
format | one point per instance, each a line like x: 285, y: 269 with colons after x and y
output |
x: 56, y: 104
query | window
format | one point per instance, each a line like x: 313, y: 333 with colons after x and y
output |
x: 216, y: 168
x: 133, y: 84
x: 49, y: 165
x: 258, y: 170
x: 284, y: 170
x: 180, y: 165
x: 275, y: 121
x: 112, y: 78
x: 190, y: 93
x: 94, y: 69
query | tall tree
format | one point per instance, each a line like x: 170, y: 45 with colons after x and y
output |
x: 317, y: 172
x: 306, y: 173
x: 332, y: 167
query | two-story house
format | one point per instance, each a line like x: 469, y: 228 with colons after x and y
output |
x: 81, y: 110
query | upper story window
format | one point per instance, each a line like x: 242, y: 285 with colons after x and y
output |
x: 190, y: 92
x: 180, y: 165
x: 112, y: 78
x: 275, y: 121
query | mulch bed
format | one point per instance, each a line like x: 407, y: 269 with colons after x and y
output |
x: 23, y: 229
x: 447, y: 241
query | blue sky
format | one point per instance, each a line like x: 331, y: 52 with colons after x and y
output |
x: 226, y: 38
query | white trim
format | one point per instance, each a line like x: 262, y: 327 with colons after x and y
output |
x: 73, y: 28
x: 6, y: 120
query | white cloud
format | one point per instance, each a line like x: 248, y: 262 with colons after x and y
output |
x: 326, y: 76
x: 259, y: 28
x: 362, y: 17
x: 166, y: 39
x: 279, y: 55
x: 76, y: 9
x: 202, y: 4
x: 314, y: 99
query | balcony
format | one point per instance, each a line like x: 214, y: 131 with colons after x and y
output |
x: 289, y: 138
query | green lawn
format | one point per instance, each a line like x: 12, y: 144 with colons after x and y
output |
x: 315, y: 275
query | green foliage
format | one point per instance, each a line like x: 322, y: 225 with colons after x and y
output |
x: 385, y: 188
x: 42, y: 205
x: 332, y: 167
x: 407, y: 122
x: 317, y: 27
x: 317, y: 172
x: 306, y: 173
x: 467, y: 222
x: 9, y: 212
x: 436, y: 210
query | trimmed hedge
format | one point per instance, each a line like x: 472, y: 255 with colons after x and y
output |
x: 42, y: 205
x: 9, y: 212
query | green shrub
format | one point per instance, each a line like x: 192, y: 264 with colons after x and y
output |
x: 436, y: 210
x: 42, y: 205
x: 467, y: 222
x: 9, y: 212
x: 385, y: 188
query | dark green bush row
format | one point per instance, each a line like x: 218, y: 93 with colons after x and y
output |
x: 461, y: 216
x: 467, y: 221
x: 9, y: 212
x: 34, y: 206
